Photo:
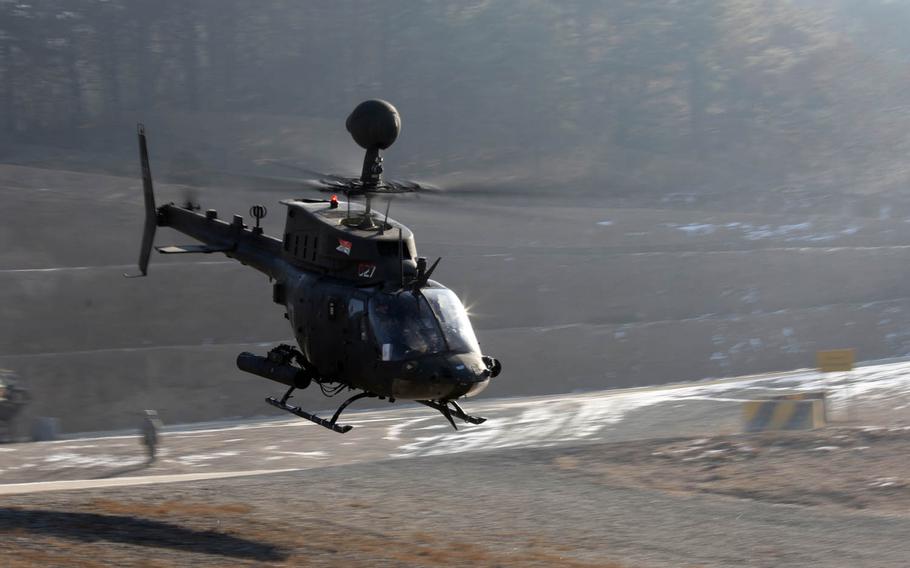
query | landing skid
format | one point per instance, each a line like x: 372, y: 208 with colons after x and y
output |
x: 448, y: 408
x: 454, y: 412
x: 330, y: 424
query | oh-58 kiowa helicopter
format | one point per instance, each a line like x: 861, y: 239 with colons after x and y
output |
x: 365, y: 313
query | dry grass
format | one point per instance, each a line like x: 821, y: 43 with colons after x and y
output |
x: 423, y: 549
x: 447, y: 553
x: 168, y: 508
x: 311, y: 541
x: 68, y: 555
x: 854, y: 468
x: 59, y: 557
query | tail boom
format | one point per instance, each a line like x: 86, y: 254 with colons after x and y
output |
x: 236, y: 240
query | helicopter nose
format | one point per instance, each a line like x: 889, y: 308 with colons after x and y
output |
x: 442, y: 377
x: 470, y: 375
x: 477, y: 387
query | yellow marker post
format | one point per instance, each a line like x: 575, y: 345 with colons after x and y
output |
x: 836, y: 361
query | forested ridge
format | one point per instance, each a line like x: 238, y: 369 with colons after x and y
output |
x: 635, y: 96
x: 723, y: 187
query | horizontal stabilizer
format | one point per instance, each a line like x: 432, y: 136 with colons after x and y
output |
x: 186, y: 249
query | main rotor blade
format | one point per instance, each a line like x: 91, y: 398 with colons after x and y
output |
x: 304, y: 170
x: 452, y: 185
x: 259, y: 182
x: 350, y: 185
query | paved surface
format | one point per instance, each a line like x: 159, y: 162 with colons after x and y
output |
x: 404, y: 430
x: 408, y: 430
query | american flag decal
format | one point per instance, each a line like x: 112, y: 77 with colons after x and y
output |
x: 344, y: 246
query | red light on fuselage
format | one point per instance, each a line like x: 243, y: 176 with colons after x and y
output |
x: 333, y: 202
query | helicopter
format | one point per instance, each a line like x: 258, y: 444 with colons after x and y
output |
x: 365, y: 313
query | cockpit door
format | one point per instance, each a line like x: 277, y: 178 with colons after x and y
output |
x: 357, y: 345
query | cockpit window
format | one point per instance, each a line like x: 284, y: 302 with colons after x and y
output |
x: 404, y: 326
x: 453, y: 319
x: 434, y: 321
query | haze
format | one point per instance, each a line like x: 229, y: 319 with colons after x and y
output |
x: 663, y: 191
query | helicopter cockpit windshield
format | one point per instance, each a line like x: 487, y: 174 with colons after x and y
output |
x: 453, y: 319
x: 433, y: 321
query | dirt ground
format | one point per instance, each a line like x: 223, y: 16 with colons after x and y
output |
x: 102, y: 532
x: 685, y: 502
x: 845, y: 467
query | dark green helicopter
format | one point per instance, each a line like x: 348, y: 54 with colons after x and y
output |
x: 365, y: 313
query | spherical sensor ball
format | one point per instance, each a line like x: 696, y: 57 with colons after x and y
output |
x: 374, y: 124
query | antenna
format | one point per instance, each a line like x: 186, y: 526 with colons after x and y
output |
x: 366, y: 222
x: 385, y: 222
x: 258, y: 211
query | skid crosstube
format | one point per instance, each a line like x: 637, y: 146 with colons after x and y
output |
x: 340, y: 428
x: 454, y: 412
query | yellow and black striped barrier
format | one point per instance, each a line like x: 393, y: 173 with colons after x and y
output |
x: 807, y: 395
x: 765, y: 415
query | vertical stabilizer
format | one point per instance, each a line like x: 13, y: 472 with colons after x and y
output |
x: 151, y: 215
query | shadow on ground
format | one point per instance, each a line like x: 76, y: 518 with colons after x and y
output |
x: 93, y: 527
